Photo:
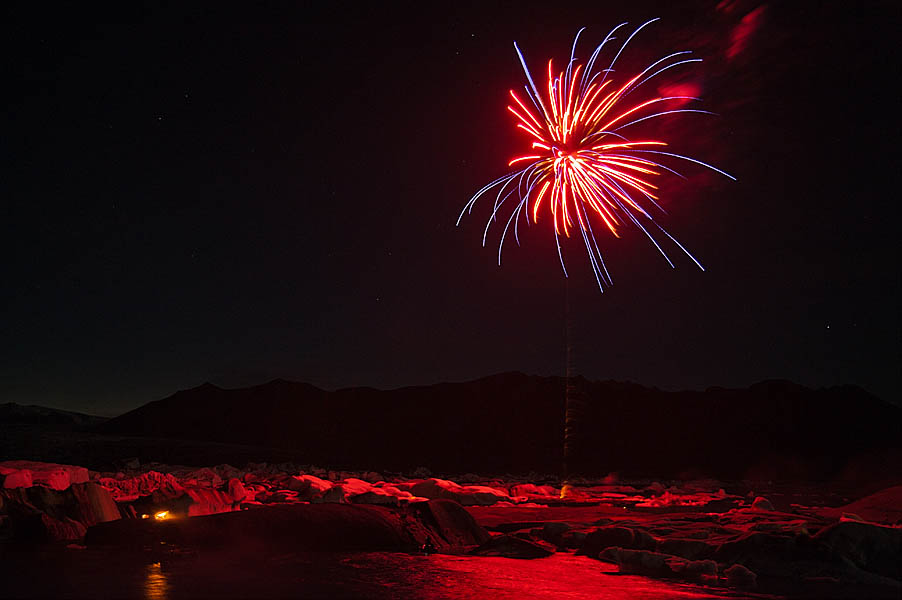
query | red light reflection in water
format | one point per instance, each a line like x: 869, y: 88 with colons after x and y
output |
x: 559, y: 576
x: 241, y: 572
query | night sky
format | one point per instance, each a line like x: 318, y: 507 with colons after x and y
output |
x: 185, y: 200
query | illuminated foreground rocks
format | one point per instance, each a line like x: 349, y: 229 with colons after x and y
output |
x: 25, y: 473
x: 696, y: 531
x: 43, y: 514
x: 439, y: 525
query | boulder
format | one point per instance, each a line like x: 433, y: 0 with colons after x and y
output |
x: 95, y: 504
x: 54, y: 476
x: 40, y: 514
x: 372, y: 477
x: 399, y: 492
x: 470, y: 495
x: 237, y: 490
x: 532, y: 491
x: 309, y: 487
x: 204, y: 477
x: 453, y: 524
x: 554, y: 531
x: 659, y: 565
x: 761, y: 503
x: 227, y: 472
x: 333, y: 495
x: 572, y: 540
x: 512, y: 546
x: 482, y: 495
x: 871, y: 547
x: 13, y: 478
x: 639, y: 562
x: 695, y: 570
x: 375, y: 497
x: 623, y: 537
x: 740, y: 577
x: 145, y: 484
x: 686, y: 548
x: 205, y: 501
x: 884, y: 507
x: 50, y: 529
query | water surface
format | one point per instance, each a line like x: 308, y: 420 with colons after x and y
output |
x: 245, y: 573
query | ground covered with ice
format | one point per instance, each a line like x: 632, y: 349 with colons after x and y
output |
x: 267, y: 530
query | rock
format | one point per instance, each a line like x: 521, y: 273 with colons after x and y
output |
x: 145, y: 484
x: 623, y: 537
x: 309, y: 487
x: 437, y: 489
x: 400, y: 493
x: 421, y: 473
x: 13, y: 479
x: 237, y: 490
x: 660, y: 565
x: 376, y: 498
x: 204, y: 477
x: 362, y: 492
x: 786, y: 556
x: 58, y: 530
x: 761, y: 503
x: 755, y: 548
x: 481, y: 495
x: 451, y: 522
x: 334, y: 495
x: 54, y: 476
x: 205, y: 501
x: 95, y: 504
x: 699, y: 569
x: 279, y: 496
x: 471, y: 495
x: 40, y: 514
x: 884, y: 507
x: 655, y: 488
x: 686, y: 548
x: 372, y: 477
x: 740, y: 577
x: 227, y: 472
x: 530, y: 490
x: 554, y: 531
x: 353, y: 486
x: 871, y: 547
x: 512, y: 546
x: 303, y: 527
x: 638, y: 562
x: 572, y: 540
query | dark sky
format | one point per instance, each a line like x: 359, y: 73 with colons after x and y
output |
x: 185, y: 200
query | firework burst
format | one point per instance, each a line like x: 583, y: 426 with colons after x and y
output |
x: 584, y: 165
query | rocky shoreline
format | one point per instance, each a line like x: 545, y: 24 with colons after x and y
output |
x: 716, y: 534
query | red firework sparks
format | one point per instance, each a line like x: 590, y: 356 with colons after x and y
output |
x: 583, y: 165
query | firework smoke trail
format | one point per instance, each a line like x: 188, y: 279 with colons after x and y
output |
x: 583, y: 162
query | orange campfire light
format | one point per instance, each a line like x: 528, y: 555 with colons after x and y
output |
x: 163, y: 514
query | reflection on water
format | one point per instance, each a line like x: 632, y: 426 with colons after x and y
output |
x: 250, y: 572
x: 560, y: 576
x: 155, y: 584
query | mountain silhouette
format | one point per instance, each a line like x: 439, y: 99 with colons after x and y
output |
x: 513, y: 423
